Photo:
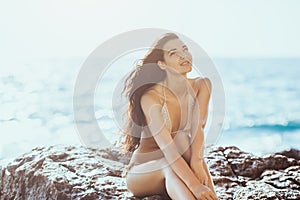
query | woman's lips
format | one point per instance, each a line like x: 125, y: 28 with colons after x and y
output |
x: 185, y: 63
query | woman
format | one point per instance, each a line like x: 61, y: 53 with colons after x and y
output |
x: 168, y: 113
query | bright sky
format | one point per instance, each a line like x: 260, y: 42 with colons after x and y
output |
x: 67, y: 28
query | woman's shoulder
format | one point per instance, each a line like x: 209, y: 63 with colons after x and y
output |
x: 200, y: 82
x: 153, y: 95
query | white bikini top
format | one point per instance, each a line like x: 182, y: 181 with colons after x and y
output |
x: 166, y: 115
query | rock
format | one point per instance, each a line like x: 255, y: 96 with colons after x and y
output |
x: 60, y: 172
x: 256, y: 190
x: 268, y: 177
x: 76, y: 172
x: 291, y: 153
x: 262, y: 190
x: 248, y: 165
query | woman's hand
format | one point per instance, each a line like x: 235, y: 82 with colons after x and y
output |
x: 197, y: 167
x: 202, y: 192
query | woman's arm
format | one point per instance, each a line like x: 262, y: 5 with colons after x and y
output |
x: 197, y: 161
x: 152, y: 109
x: 199, y: 117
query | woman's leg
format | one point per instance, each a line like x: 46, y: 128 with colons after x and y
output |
x: 182, y: 142
x: 176, y: 189
x: 162, y: 181
x: 142, y: 181
x: 210, y: 181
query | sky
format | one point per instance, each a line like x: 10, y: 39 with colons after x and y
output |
x: 66, y: 28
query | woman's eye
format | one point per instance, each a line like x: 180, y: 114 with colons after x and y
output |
x: 172, y: 53
x: 185, y: 49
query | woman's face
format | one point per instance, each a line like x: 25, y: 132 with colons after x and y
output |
x: 177, y: 57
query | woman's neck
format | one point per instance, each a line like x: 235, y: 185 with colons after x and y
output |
x: 176, y: 83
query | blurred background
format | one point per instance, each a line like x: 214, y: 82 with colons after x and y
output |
x: 254, y: 44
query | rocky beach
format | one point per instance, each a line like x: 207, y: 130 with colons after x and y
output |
x: 77, y: 172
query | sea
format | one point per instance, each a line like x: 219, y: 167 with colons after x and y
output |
x: 261, y: 103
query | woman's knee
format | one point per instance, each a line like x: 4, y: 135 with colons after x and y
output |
x: 175, y: 187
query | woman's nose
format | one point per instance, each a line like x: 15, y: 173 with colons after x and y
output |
x: 182, y: 55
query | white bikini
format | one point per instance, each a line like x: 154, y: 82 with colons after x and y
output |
x: 166, y: 115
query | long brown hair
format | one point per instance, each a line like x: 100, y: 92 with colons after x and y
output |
x: 139, y: 81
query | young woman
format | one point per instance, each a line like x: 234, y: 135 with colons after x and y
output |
x: 168, y: 113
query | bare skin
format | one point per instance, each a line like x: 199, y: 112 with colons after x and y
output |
x: 178, y: 176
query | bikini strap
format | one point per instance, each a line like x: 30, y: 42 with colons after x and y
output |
x: 164, y: 92
x: 165, y: 111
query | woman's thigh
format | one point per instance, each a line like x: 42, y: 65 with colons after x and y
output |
x: 142, y: 180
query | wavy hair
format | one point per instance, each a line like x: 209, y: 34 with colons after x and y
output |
x: 139, y: 81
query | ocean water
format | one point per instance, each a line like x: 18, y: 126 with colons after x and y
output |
x: 263, y: 107
x: 262, y: 103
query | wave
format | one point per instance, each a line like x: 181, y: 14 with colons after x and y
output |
x: 290, y: 126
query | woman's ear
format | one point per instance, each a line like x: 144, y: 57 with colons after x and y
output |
x: 161, y: 65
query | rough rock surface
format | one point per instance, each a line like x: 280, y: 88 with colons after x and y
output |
x: 241, y: 175
x: 62, y: 172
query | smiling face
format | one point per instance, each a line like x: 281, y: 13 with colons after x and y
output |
x: 177, y: 57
